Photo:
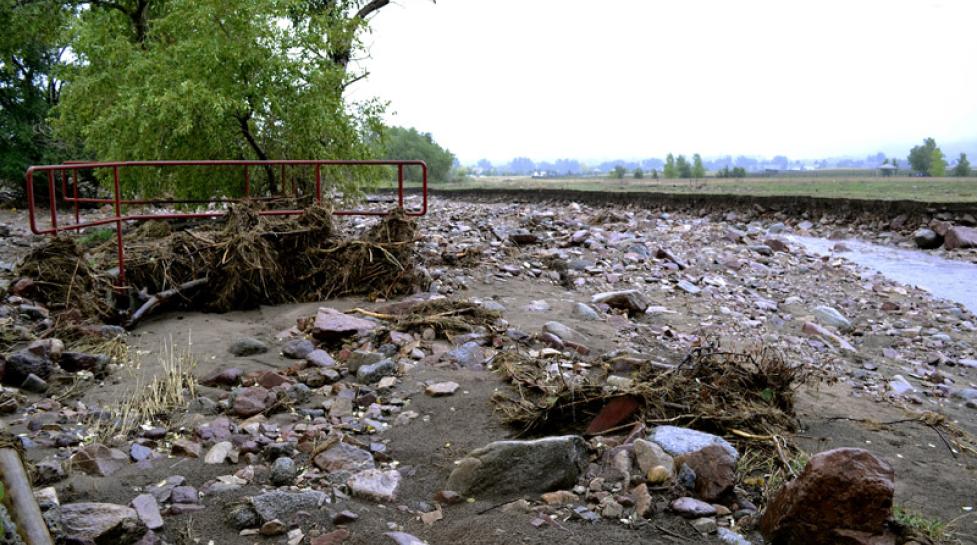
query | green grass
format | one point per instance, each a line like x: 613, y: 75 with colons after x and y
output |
x: 937, y: 190
x: 934, y: 529
x: 95, y: 237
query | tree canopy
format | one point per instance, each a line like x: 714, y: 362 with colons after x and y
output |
x: 962, y: 167
x: 927, y: 159
x: 408, y: 144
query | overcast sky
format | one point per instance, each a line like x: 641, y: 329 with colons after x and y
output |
x: 600, y: 80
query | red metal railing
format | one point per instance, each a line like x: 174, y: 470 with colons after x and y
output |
x: 70, y: 195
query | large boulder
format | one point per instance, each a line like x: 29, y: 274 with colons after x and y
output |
x: 840, y: 493
x: 927, y: 239
x: 960, y: 237
x: 512, y: 468
x: 101, y: 523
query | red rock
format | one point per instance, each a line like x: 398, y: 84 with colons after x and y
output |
x: 777, y: 245
x: 960, y: 237
x: 270, y: 379
x: 332, y: 538
x: 616, y: 410
x: 97, y: 459
x: 840, y: 491
x: 223, y: 377
x: 186, y: 447
x: 330, y: 324
x: 715, y: 472
x: 252, y: 401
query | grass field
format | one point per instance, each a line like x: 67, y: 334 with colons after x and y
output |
x: 918, y: 189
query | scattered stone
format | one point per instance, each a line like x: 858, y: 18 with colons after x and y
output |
x: 320, y: 358
x: 584, y: 312
x: 218, y: 453
x: 230, y: 376
x: 148, y: 511
x: 375, y: 484
x: 840, y: 490
x: 705, y: 525
x: 899, y: 386
x: 184, y: 494
x: 368, y: 374
x: 343, y: 457
x: 679, y: 441
x: 273, y: 527
x: 715, y: 472
x: 729, y: 537
x: 927, y: 239
x: 522, y: 236
x: 332, y: 325
x: 401, y: 538
x: 283, y: 471
x: 283, y: 505
x: 960, y: 237
x: 335, y: 537
x: 345, y: 517
x: 689, y: 287
x: 297, y: 349
x: 630, y: 300
x: 439, y: 389
x: 692, y: 508
x: 649, y: 456
x: 23, y: 363
x: 247, y: 346
x: 101, y: 523
x: 34, y: 384
x: 832, y: 317
x: 512, y: 468
x: 251, y: 401
x: 186, y: 447
x: 97, y: 459
x: 359, y: 358
x: 562, y: 332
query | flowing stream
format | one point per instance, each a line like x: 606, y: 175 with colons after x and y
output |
x: 945, y: 278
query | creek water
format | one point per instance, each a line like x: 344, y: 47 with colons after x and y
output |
x: 944, y: 278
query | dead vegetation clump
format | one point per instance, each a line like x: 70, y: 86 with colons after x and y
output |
x: 445, y: 316
x: 239, y: 263
x: 750, y: 391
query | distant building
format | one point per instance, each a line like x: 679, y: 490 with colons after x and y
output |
x: 888, y: 170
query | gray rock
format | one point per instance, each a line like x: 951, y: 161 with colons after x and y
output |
x: 23, y: 363
x: 688, y: 287
x: 513, y: 468
x: 832, y: 317
x: 967, y: 394
x: 283, y: 505
x: 692, y: 508
x: 899, y: 386
x: 332, y: 325
x: 283, y: 471
x: 650, y: 455
x: 704, y: 525
x: 632, y: 300
x: 403, y: 538
x: 927, y: 239
x: 34, y: 384
x: 729, y: 537
x: 247, y: 346
x: 241, y: 516
x: 368, y: 374
x: 522, y: 236
x: 343, y: 457
x: 563, y: 332
x: 320, y: 358
x: 101, y: 522
x: 148, y: 511
x: 297, y: 349
x: 359, y: 358
x: 679, y: 441
x: 469, y: 355
x: 584, y: 312
x: 375, y: 484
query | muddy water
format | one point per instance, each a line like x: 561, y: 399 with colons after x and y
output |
x: 947, y: 279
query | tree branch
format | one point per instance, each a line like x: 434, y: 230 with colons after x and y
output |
x: 374, y: 6
x: 349, y: 82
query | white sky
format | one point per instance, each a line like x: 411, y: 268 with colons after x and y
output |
x: 601, y: 80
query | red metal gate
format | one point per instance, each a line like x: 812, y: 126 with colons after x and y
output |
x: 69, y: 195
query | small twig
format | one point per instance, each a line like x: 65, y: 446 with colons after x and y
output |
x: 942, y: 438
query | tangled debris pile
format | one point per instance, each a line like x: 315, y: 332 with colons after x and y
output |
x: 247, y: 261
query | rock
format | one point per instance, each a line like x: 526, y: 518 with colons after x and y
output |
x: 729, y: 537
x: 643, y: 501
x: 283, y: 471
x: 186, y: 447
x: 49, y: 470
x: 522, y: 236
x: 630, y: 300
x: 359, y: 358
x: 692, y: 508
x: 440, y: 389
x: 777, y: 245
x: 615, y: 410
x: 73, y: 362
x: 97, y: 459
x: 899, y: 386
x: 375, y: 484
x: 679, y: 441
x: 402, y: 538
x: 218, y: 453
x: 247, y: 346
x: 273, y: 527
x: 562, y: 332
x: 184, y: 494
x: 960, y: 237
x: 284, y: 505
x: 512, y: 468
x: 34, y: 384
x: 345, y: 517
x: 927, y: 239
x: 251, y: 401
x: 368, y: 374
x: 815, y: 330
x: 659, y: 475
x: 715, y: 472
x: 335, y: 537
x: 649, y: 456
x: 230, y: 376
x: 845, y: 489
x: 469, y: 355
x: 241, y: 516
x: 559, y: 497
x: 148, y: 511
x: 666, y: 254
x: 704, y: 525
x: 584, y: 312
x: 688, y: 287
x: 332, y: 325
x: 101, y: 523
x: 22, y: 363
x: 343, y: 457
x: 297, y: 349
x: 139, y: 452
x: 832, y: 317
x: 320, y: 358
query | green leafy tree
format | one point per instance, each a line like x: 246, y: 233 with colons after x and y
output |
x: 209, y: 79
x: 963, y: 166
x: 619, y: 172
x: 927, y: 159
x: 33, y: 40
x: 638, y: 173
x: 654, y: 173
x: 410, y: 144
x: 698, y: 169
x: 669, y: 170
x: 682, y: 167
